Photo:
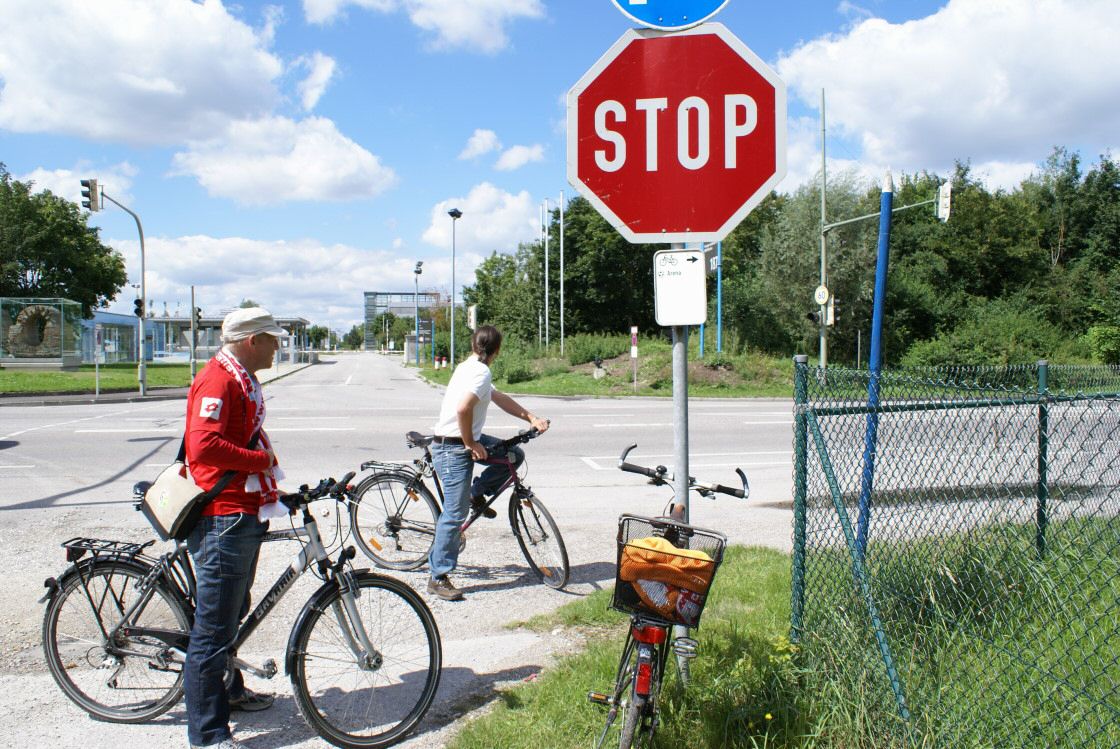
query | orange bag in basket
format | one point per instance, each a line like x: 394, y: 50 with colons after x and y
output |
x: 671, y: 581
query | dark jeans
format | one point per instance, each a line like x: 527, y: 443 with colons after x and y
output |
x: 224, y: 550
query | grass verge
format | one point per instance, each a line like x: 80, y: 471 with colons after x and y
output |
x: 744, y: 690
x: 113, y: 377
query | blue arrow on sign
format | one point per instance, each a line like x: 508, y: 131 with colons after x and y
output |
x: 670, y: 15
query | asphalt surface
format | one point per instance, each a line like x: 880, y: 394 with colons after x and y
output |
x: 68, y: 470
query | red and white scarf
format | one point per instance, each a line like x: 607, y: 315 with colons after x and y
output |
x: 266, y: 481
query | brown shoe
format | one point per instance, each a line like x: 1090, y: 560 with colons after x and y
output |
x: 442, y: 587
x: 478, y: 504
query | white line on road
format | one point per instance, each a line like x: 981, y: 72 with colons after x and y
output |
x: 766, y: 423
x: 627, y: 426
x: 348, y: 380
x: 311, y: 429
x: 3, y: 467
x: 123, y: 431
x: 594, y: 464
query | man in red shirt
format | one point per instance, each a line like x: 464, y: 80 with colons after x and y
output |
x: 224, y: 432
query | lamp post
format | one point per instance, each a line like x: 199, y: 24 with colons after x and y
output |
x: 455, y: 215
x: 416, y: 305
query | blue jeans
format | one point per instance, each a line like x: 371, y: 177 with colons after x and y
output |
x: 224, y: 550
x: 455, y: 466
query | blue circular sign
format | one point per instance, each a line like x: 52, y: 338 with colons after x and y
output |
x: 670, y: 15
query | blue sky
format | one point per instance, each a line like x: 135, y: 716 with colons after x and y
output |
x: 301, y: 153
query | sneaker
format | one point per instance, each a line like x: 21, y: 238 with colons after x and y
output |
x: 226, y: 744
x: 250, y: 702
x: 478, y: 504
x: 442, y: 587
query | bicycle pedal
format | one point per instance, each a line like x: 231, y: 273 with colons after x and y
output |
x: 685, y: 647
x: 598, y: 698
x: 269, y: 668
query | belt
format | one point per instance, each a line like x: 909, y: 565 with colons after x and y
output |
x: 447, y: 440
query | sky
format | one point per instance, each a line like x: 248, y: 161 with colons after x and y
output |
x: 301, y: 153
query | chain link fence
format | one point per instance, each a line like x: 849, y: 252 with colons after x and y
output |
x: 956, y: 569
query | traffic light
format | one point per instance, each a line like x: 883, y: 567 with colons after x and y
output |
x: 830, y: 311
x: 813, y: 317
x: 198, y: 317
x: 138, y: 307
x: 90, y: 198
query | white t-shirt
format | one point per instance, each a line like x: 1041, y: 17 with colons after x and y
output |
x: 470, y: 377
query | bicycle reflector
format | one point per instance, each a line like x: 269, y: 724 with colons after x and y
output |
x: 650, y: 635
x: 645, y: 674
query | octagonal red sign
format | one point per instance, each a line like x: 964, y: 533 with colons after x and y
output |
x: 676, y: 137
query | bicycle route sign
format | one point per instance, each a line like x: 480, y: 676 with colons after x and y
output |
x: 676, y: 137
x: 680, y: 292
x: 669, y: 15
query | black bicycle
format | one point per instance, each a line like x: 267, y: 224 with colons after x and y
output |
x: 664, y: 571
x: 364, y: 655
x: 394, y: 513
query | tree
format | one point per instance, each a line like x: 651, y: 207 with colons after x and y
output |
x: 354, y: 338
x: 48, y: 250
x: 246, y: 303
x: 316, y: 335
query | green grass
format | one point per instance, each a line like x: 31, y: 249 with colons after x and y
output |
x: 744, y: 691
x: 113, y: 377
x: 717, y: 375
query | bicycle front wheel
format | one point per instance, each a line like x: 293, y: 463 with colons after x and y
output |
x: 539, y: 539
x: 352, y: 702
x: 118, y: 674
x: 393, y: 516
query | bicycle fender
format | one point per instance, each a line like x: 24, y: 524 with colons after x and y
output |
x: 316, y: 603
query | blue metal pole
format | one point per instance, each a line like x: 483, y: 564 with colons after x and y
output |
x: 701, y: 340
x: 870, y: 440
x: 719, y: 297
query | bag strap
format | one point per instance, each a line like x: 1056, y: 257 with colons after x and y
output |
x: 227, y: 477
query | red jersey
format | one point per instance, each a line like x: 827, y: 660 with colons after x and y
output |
x: 219, y: 426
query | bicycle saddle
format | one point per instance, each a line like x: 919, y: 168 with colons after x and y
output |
x: 415, y: 439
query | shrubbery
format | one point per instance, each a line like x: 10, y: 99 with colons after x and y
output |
x: 581, y: 349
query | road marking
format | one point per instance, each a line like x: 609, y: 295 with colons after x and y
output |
x: 348, y: 379
x: 593, y: 462
x: 767, y: 423
x: 3, y: 467
x: 123, y: 431
x: 310, y: 429
x: 314, y: 418
x: 628, y: 426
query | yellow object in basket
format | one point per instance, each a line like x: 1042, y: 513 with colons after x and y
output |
x: 655, y: 558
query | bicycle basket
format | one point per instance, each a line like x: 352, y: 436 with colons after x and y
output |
x: 665, y: 569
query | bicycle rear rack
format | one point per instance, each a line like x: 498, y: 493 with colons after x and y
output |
x: 78, y: 546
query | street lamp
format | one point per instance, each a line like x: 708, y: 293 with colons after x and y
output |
x: 455, y: 215
x: 416, y: 305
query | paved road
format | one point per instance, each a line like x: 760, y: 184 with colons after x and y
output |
x: 67, y: 471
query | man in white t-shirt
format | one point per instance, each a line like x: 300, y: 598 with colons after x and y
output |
x: 459, y: 442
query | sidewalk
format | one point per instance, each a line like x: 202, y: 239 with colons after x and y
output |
x: 131, y: 396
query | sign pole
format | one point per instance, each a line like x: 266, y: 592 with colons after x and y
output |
x: 98, y: 354
x: 634, y: 353
x: 194, y: 337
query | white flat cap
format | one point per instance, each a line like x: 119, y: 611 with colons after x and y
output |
x: 247, y: 321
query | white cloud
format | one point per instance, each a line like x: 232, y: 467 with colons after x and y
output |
x: 320, y: 70
x: 468, y: 24
x: 481, y: 142
x: 516, y: 157
x: 997, y: 82
x: 116, y: 180
x: 286, y: 277
x: 493, y: 220
x: 276, y: 159
x: 132, y: 70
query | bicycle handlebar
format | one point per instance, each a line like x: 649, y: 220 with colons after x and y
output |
x: 661, y: 475
x: 519, y: 438
x: 326, y: 487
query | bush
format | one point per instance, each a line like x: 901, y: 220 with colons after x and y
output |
x: 583, y: 348
x: 1104, y: 342
x: 513, y: 368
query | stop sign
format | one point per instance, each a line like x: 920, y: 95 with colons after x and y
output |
x: 676, y: 137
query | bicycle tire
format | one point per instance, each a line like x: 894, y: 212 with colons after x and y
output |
x: 539, y: 539
x: 393, y: 517
x: 631, y: 722
x: 336, y: 695
x: 83, y: 664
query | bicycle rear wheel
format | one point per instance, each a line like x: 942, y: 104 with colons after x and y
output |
x: 351, y: 704
x: 539, y: 539
x: 393, y: 516
x: 128, y: 678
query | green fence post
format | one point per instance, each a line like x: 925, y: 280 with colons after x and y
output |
x: 1043, y: 490
x: 800, y: 483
